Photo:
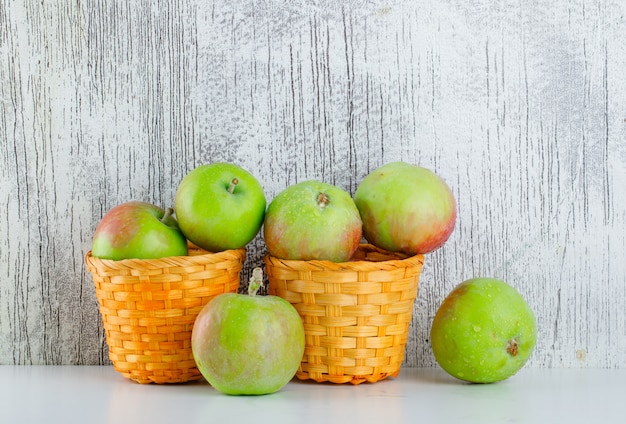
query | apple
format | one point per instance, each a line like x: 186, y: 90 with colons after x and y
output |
x: 405, y: 208
x: 483, y: 332
x: 138, y: 230
x: 220, y: 206
x: 248, y: 344
x: 312, y: 220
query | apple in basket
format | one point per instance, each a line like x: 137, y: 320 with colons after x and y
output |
x: 220, y: 206
x: 248, y: 344
x: 312, y: 220
x: 484, y: 331
x: 138, y: 230
x: 405, y: 208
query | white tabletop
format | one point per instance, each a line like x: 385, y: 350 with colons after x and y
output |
x: 92, y: 394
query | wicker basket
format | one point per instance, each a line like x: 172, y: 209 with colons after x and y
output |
x: 148, y: 308
x: 356, y: 314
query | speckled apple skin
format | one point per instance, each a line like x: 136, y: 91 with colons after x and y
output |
x: 483, y: 332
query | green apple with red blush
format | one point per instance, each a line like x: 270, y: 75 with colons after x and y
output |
x: 405, y: 208
x: 220, y: 206
x: 484, y: 331
x: 138, y: 230
x: 312, y: 220
x: 244, y: 344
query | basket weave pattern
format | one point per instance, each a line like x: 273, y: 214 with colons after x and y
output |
x: 148, y: 309
x: 356, y: 314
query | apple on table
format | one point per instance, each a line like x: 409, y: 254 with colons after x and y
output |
x: 245, y: 344
x: 138, y: 230
x: 484, y: 331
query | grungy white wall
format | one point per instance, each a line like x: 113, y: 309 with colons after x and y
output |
x: 519, y: 106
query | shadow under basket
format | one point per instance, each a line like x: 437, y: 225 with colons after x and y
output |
x: 356, y: 314
x: 149, y: 306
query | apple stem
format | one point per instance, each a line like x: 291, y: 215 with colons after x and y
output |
x: 256, y: 281
x: 322, y: 200
x: 167, y: 215
x: 232, y: 185
x: 512, y: 347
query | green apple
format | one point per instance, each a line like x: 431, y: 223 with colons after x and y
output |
x: 220, y: 206
x: 312, y: 220
x: 405, y: 208
x: 138, y: 230
x: 248, y: 344
x: 483, y: 332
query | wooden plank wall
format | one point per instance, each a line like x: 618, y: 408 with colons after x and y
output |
x: 519, y: 106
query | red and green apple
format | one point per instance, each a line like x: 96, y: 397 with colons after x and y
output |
x: 138, y: 230
x: 405, y: 208
x: 312, y: 220
x: 245, y: 344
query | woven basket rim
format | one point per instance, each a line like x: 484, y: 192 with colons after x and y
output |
x: 398, y: 259
x: 200, y: 255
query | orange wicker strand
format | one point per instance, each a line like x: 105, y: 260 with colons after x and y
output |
x: 149, y: 306
x: 356, y: 314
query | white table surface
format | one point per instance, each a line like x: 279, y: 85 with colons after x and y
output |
x: 98, y: 394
